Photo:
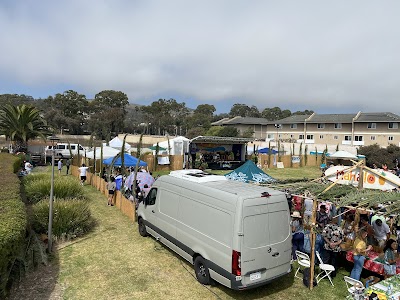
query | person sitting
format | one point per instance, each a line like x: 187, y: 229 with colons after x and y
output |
x: 390, y: 251
x: 297, y: 233
x: 360, y: 250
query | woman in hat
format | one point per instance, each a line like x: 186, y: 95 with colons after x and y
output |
x: 297, y: 233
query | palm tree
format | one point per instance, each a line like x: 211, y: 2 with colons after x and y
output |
x: 22, y: 123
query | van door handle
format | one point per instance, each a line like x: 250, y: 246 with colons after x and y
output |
x: 275, y: 254
x: 153, y: 211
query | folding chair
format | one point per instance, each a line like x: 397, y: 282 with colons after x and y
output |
x: 353, y: 286
x: 303, y: 260
x: 326, y: 269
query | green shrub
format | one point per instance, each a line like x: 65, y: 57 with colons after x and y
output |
x: 71, y: 218
x: 65, y: 187
x: 13, y: 219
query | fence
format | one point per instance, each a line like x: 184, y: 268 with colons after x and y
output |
x: 126, y: 206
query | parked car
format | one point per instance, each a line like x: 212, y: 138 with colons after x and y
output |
x: 62, y: 150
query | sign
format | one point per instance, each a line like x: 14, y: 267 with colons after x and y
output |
x: 163, y: 160
x: 295, y: 159
x: 280, y: 165
x: 370, y: 179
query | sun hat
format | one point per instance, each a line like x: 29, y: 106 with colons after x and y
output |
x: 296, y: 214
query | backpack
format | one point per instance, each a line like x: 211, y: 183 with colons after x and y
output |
x: 306, y: 277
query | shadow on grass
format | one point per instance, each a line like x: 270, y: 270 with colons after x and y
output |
x: 39, y: 284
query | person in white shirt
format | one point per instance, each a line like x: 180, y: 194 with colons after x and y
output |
x: 381, y: 232
x: 83, y: 171
x: 28, y: 167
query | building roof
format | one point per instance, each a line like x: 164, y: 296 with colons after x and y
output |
x: 290, y: 120
x: 378, y: 117
x: 331, y: 118
x: 241, y: 120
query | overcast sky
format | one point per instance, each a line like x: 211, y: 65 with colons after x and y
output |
x: 327, y: 56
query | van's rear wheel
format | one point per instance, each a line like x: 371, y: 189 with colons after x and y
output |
x: 142, y: 228
x: 201, y: 270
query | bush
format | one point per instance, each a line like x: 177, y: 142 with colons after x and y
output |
x: 13, y: 219
x: 71, y: 218
x: 37, y: 187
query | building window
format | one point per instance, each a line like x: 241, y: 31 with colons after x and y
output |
x: 320, y: 125
x: 393, y: 125
x: 371, y: 126
x: 291, y: 136
x: 270, y: 136
x: 335, y: 137
x: 321, y: 137
x: 358, y: 138
x: 310, y: 137
x: 390, y: 138
x: 372, y: 138
x: 338, y: 125
x: 301, y: 136
x: 293, y: 126
x: 347, y: 137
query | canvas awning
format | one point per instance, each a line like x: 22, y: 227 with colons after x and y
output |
x: 343, y: 155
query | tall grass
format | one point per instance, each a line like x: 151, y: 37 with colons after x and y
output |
x: 71, y: 218
x: 65, y: 187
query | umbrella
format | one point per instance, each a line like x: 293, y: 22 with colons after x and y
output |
x: 142, y: 177
x: 154, y: 148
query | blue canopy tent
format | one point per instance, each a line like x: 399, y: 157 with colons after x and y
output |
x: 129, y: 161
x: 249, y: 172
x: 267, y: 151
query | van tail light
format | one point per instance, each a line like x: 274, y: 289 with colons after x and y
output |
x: 236, y: 268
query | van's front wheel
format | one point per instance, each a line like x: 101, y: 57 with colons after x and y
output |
x: 142, y: 228
x: 201, y: 270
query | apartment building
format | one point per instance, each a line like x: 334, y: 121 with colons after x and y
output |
x: 359, y: 129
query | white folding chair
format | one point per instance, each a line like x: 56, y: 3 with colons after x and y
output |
x: 326, y: 269
x: 353, y: 285
x: 303, y: 260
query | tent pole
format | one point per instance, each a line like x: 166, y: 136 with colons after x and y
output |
x: 313, y: 239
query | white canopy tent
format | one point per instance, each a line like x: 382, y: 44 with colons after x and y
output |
x: 343, y: 155
x: 179, y: 146
x: 107, y: 152
x: 117, y: 144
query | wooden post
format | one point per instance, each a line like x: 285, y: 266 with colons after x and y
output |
x: 361, y: 178
x: 312, y: 241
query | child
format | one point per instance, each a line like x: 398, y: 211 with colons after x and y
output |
x: 111, y: 186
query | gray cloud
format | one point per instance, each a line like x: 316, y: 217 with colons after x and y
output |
x: 339, y: 56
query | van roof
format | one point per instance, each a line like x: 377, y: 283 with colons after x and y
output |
x: 216, y: 184
x: 196, y: 175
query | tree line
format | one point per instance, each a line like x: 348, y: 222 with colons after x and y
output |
x: 110, y: 113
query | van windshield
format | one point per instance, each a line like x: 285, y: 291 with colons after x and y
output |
x: 265, y: 229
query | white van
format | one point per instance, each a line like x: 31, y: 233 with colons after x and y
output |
x: 232, y: 232
x: 62, y: 150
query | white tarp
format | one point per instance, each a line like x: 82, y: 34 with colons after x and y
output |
x: 117, y: 144
x: 107, y: 152
x: 179, y: 146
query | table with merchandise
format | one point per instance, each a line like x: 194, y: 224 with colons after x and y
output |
x: 373, y: 262
x: 387, y: 289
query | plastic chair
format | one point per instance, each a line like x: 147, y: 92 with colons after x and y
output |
x: 303, y: 260
x: 326, y: 269
x: 353, y: 285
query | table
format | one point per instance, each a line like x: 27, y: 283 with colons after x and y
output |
x: 381, y: 288
x: 371, y: 263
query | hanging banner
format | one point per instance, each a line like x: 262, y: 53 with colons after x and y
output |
x: 376, y: 179
x: 295, y: 159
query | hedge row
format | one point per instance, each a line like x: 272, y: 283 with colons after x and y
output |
x: 13, y: 218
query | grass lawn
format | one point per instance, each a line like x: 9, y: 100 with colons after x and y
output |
x: 115, y: 262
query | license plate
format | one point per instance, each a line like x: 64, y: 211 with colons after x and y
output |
x: 255, y: 276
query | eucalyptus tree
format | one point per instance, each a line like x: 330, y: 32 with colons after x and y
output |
x: 22, y: 123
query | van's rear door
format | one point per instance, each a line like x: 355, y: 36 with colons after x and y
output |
x: 266, y: 242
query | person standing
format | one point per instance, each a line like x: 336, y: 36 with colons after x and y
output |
x: 83, y: 171
x: 67, y: 164
x: 297, y: 233
x: 111, y: 186
x: 359, y: 251
x: 381, y: 232
x: 332, y: 236
x: 60, y: 165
